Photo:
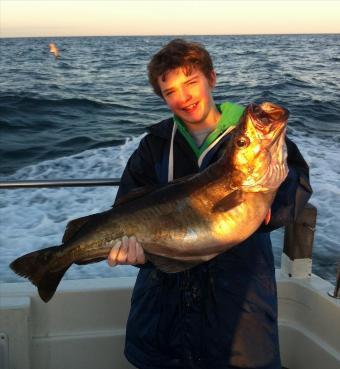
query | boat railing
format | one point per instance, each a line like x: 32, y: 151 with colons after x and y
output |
x: 11, y: 185
x: 296, y: 259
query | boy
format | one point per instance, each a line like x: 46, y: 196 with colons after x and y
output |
x: 223, y: 313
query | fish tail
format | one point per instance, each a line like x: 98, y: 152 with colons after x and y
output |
x: 35, y: 267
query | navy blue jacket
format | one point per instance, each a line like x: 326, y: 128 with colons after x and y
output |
x: 223, y: 313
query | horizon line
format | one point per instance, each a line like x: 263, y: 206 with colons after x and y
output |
x: 180, y: 35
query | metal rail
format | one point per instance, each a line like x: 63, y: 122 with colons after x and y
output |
x: 336, y: 292
x: 8, y: 185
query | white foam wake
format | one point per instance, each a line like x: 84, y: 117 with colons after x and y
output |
x: 36, y: 218
x: 322, y: 155
x: 32, y: 219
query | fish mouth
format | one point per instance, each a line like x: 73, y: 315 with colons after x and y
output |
x: 268, y: 119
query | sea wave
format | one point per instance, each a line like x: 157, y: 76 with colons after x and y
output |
x: 36, y: 218
x: 70, y: 118
x: 27, y: 101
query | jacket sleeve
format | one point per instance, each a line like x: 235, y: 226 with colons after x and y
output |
x: 139, y: 172
x: 294, y: 192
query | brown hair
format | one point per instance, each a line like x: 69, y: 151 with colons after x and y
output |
x: 179, y: 53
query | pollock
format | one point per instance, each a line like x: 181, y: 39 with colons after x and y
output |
x: 188, y: 221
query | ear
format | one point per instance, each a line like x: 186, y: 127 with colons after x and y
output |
x: 212, y: 79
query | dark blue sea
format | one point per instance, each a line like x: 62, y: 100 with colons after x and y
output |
x: 82, y: 115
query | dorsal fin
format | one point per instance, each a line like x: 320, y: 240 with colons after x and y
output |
x: 135, y: 194
x: 144, y: 190
x: 74, y: 225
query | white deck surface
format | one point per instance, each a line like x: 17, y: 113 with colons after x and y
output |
x: 83, y: 326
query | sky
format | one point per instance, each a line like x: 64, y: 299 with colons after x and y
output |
x: 26, y: 18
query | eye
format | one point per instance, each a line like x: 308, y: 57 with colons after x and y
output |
x: 242, y: 142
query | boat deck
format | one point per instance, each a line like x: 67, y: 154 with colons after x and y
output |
x: 83, y: 326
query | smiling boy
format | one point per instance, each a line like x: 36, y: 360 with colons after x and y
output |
x: 189, y: 96
x: 223, y: 313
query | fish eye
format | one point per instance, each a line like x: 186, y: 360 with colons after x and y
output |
x: 242, y: 142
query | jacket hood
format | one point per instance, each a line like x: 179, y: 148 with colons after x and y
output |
x: 162, y: 129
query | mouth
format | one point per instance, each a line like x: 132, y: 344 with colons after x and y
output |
x: 190, y: 108
x: 269, y: 119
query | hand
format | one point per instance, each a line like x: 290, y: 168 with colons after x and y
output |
x: 126, y: 251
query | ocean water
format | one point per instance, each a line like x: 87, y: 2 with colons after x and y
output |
x: 81, y: 116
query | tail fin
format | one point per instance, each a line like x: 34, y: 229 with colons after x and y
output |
x: 35, y: 267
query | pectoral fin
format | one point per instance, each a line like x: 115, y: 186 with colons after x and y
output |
x: 228, y: 202
x: 267, y: 217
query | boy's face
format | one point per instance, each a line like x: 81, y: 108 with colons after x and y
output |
x: 190, y: 97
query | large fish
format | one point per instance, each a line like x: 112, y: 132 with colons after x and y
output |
x: 188, y: 221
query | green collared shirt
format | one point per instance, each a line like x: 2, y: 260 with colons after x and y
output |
x: 230, y: 116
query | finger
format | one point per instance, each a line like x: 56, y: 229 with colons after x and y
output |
x: 140, y: 256
x: 113, y: 253
x: 122, y: 254
x: 131, y: 255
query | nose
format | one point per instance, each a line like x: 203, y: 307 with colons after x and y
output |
x: 184, y: 95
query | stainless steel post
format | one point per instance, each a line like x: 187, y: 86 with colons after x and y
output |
x: 336, y: 292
